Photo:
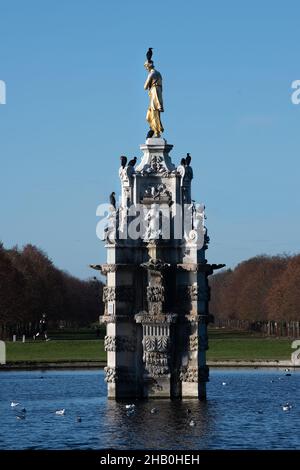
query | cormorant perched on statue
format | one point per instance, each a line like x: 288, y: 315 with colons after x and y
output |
x: 149, y: 54
x: 123, y: 161
x: 132, y: 162
x: 150, y: 134
x: 112, y: 199
x: 188, y: 159
x: 183, y: 162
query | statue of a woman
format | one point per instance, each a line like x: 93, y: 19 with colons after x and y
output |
x: 154, y: 85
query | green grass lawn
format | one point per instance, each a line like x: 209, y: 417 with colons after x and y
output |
x: 56, y: 350
x: 242, y: 345
x: 249, y: 349
x: 223, y: 345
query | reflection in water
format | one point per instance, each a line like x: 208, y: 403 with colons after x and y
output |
x: 170, y: 423
x: 245, y: 414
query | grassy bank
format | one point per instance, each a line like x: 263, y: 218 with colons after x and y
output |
x: 56, y: 350
x: 244, y: 346
x: 223, y: 345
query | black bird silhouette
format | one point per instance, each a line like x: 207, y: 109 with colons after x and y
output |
x: 112, y: 199
x: 150, y: 134
x: 188, y: 159
x: 123, y: 161
x: 183, y: 162
x: 149, y: 54
x: 132, y: 162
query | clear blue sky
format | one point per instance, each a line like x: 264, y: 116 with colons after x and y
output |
x: 75, y: 102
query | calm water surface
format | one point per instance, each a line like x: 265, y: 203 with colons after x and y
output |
x: 246, y: 413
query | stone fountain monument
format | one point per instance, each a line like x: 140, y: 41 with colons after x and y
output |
x: 157, y: 293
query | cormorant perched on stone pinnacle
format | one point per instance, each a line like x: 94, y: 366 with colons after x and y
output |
x: 123, y: 161
x: 132, y: 162
x: 112, y: 199
x: 188, y: 159
x: 149, y: 54
x: 183, y: 162
x: 150, y: 134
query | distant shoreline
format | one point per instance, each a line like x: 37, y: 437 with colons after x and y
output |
x: 100, y: 365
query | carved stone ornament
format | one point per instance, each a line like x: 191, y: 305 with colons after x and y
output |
x: 112, y: 318
x: 120, y: 293
x: 155, y: 309
x: 107, y: 268
x: 119, y: 343
x: 188, y: 293
x: 111, y: 268
x: 156, y: 343
x: 110, y: 374
x: 193, y: 343
x: 155, y: 293
x: 155, y: 359
x: 157, y: 192
x: 147, y: 318
x: 200, y: 267
x: 194, y: 374
x: 126, y: 173
x: 155, y: 265
x: 157, y: 165
x: 119, y: 374
x: 156, y: 370
x: 109, y: 294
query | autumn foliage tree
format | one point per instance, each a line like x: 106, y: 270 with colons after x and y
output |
x: 259, y: 289
x: 31, y: 285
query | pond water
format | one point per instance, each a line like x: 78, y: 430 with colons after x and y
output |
x: 246, y: 413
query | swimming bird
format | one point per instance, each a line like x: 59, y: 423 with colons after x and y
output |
x: 192, y: 423
x: 20, y: 416
x: 286, y: 370
x: 130, y: 407
x: 78, y: 419
x: 288, y: 375
x: 14, y: 403
x: 60, y: 412
x: 224, y: 383
x: 154, y: 411
x: 287, y: 407
x: 23, y: 410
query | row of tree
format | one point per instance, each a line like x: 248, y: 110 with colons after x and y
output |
x: 263, y: 288
x: 31, y: 285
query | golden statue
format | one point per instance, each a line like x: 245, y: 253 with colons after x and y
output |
x: 154, y: 85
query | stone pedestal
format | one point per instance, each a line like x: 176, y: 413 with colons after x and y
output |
x: 157, y: 293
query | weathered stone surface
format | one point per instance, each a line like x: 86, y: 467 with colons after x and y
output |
x: 194, y: 374
x: 119, y: 374
x: 120, y: 343
x: 155, y: 294
x: 156, y: 343
x: 120, y: 293
x: 151, y: 278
